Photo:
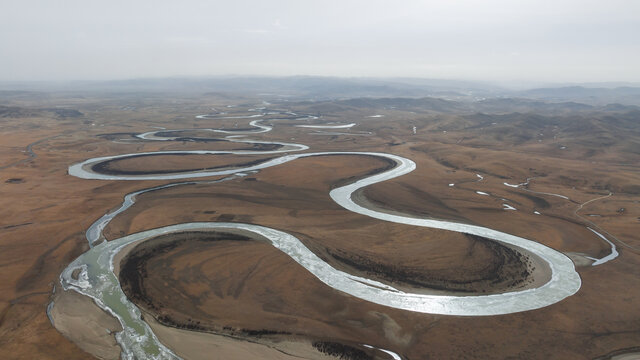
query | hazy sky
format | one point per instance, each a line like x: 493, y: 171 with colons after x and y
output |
x: 540, y: 40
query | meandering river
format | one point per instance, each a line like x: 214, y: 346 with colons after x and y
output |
x: 97, y: 279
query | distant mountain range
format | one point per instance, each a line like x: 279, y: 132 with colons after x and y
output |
x: 488, y: 106
x: 333, y: 88
x: 20, y: 112
x: 597, y: 95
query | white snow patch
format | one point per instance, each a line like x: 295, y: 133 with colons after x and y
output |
x: 508, y: 207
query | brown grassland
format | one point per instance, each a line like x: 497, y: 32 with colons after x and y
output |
x: 238, y: 292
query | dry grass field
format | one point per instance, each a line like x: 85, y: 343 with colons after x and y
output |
x: 576, y: 169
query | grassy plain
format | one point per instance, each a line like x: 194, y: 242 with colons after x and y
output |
x: 233, y: 285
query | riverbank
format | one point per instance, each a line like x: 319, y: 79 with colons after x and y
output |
x: 80, y: 320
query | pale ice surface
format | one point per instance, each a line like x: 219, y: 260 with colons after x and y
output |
x: 563, y: 283
x: 341, y: 126
x: 611, y: 256
x: 391, y: 353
